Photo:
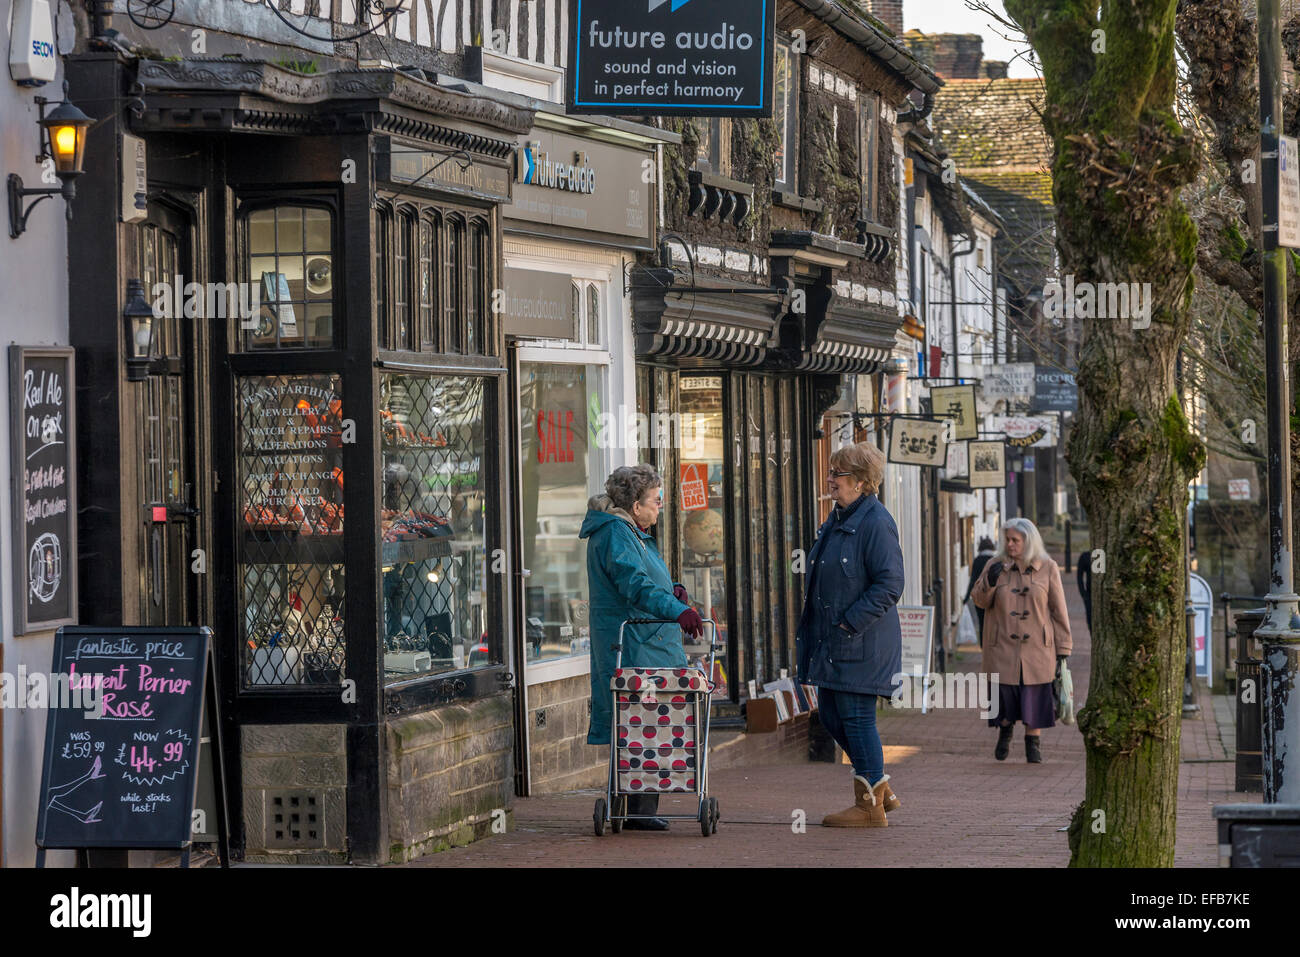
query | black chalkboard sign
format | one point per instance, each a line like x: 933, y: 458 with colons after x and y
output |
x: 43, y: 477
x: 123, y: 773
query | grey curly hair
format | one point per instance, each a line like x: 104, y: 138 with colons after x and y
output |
x: 627, y: 485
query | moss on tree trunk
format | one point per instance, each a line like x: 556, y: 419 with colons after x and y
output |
x: 1120, y: 159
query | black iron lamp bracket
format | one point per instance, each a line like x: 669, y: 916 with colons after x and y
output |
x: 17, y: 193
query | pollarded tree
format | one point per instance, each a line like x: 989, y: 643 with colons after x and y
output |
x: 1120, y: 158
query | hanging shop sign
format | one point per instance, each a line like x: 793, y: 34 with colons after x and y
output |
x: 538, y: 305
x: 957, y: 465
x: 43, y: 477
x: 956, y: 402
x: 1054, y: 390
x: 918, y: 442
x: 1011, y: 382
x: 1026, y: 431
x: 568, y: 182
x: 693, y: 57
x: 988, y: 465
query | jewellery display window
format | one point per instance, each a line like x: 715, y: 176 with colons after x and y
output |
x: 433, y: 526
x: 290, y: 542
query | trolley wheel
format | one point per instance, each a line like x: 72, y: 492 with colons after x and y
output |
x: 713, y: 803
x: 706, y: 817
x: 616, y: 820
x: 598, y: 817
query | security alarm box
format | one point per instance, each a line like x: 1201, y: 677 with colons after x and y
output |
x: 33, y: 58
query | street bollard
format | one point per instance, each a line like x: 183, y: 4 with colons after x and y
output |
x: 1068, y: 549
x: 1190, y: 706
x: 1250, y: 707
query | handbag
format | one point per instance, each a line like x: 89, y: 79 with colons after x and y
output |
x: 1063, y: 692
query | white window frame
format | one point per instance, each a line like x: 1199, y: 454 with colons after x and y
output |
x: 605, y: 276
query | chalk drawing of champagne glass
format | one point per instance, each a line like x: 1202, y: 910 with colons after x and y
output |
x: 89, y: 816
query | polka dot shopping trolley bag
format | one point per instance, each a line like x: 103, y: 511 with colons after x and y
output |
x: 660, y: 739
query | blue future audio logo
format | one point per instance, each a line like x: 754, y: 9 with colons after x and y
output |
x: 677, y: 4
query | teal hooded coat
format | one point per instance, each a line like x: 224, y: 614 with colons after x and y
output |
x: 626, y: 578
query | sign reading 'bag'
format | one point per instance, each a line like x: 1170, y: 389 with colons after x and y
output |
x: 701, y: 57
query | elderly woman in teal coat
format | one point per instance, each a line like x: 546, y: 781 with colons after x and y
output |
x: 627, y: 578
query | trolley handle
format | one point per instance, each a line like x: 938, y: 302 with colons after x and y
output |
x: 713, y: 645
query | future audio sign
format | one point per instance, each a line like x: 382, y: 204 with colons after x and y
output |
x: 689, y: 57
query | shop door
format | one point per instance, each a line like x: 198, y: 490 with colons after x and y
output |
x: 165, y: 431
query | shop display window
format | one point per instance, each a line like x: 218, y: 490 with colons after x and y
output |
x: 558, y: 463
x: 290, y: 546
x: 701, y: 508
x: 290, y: 263
x: 434, y: 551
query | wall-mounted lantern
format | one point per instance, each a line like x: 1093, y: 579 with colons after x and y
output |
x: 138, y: 318
x: 63, y: 140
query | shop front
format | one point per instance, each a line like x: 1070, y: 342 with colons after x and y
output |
x: 741, y: 379
x: 308, y: 453
x: 583, y: 208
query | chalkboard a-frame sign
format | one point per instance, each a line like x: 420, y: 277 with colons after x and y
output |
x: 127, y: 778
x: 43, y: 477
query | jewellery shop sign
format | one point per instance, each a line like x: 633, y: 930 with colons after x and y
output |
x: 44, y: 466
x: 694, y: 57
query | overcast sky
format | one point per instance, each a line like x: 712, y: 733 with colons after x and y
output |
x: 953, y: 16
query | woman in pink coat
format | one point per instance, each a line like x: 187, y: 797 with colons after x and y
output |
x: 1026, y: 634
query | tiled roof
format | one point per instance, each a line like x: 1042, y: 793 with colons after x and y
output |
x: 990, y: 123
x: 992, y: 129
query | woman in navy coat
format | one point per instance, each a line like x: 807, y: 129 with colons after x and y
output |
x: 849, y: 641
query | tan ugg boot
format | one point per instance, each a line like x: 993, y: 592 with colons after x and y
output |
x: 868, y: 807
x: 891, y: 801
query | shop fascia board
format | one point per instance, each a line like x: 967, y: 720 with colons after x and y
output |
x: 551, y: 116
x: 274, y: 94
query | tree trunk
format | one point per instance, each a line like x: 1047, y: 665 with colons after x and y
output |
x: 1119, y: 161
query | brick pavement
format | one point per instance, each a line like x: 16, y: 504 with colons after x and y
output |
x: 961, y: 808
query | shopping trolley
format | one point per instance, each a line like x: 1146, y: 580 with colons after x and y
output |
x: 659, y: 740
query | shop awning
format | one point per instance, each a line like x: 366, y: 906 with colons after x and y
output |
x: 852, y: 339
x: 728, y: 325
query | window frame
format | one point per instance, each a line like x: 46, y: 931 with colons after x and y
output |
x: 786, y: 179
x: 245, y: 205
x: 570, y: 666
x: 869, y: 151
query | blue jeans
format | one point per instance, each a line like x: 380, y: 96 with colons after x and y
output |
x: 851, y: 720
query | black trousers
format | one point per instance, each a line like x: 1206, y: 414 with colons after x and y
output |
x: 643, y: 804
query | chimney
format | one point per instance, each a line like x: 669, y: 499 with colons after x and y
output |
x: 888, y: 12
x: 954, y: 56
x: 995, y: 69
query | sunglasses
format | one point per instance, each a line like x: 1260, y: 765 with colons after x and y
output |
x: 834, y: 474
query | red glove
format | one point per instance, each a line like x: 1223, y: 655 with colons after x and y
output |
x: 679, y: 592
x: 691, y: 622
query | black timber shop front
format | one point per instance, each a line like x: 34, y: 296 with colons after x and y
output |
x: 321, y: 482
x: 746, y: 378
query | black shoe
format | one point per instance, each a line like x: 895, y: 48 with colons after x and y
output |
x: 1033, y: 754
x: 645, y: 824
x: 1004, y: 742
